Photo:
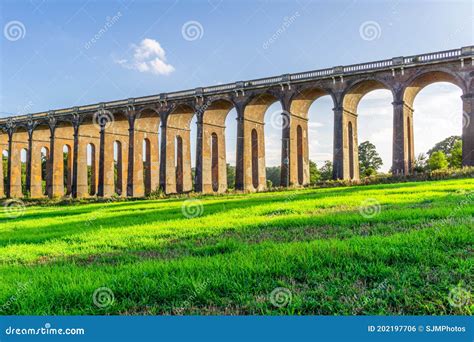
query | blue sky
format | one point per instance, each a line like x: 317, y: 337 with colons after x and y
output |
x: 55, y: 63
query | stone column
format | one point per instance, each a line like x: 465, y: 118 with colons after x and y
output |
x: 239, y: 167
x: 15, y: 174
x: 58, y: 165
x: 109, y: 167
x: 346, y: 148
x: 50, y: 164
x: 9, y: 165
x: 250, y: 159
x: 28, y: 161
x: 75, y: 159
x: 2, y: 185
x: 468, y: 129
x: 100, y: 186
x: 295, y: 149
x: 131, y: 149
x: 198, y: 178
x: 285, y: 148
x: 163, y: 149
x: 403, y: 147
x: 82, y: 174
x: 137, y: 161
x: 36, y: 168
x: 213, y: 162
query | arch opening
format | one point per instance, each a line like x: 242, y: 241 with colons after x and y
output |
x: 369, y: 104
x: 5, y: 169
x: 91, y: 169
x: 23, y: 160
x: 312, y: 110
x: 375, y: 125
x: 118, y: 164
x: 179, y: 164
x: 275, y: 140
x: 231, y: 137
x: 67, y: 170
x: 45, y: 170
x: 437, y: 115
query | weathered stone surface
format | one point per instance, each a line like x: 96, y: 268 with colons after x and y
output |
x: 152, y: 139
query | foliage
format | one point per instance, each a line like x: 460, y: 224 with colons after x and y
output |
x: 445, y: 145
x: 455, y: 157
x: 315, y: 242
x: 369, y: 159
x: 326, y: 171
x: 230, y: 176
x: 274, y: 175
x: 314, y: 173
x: 437, y: 161
x: 419, y: 164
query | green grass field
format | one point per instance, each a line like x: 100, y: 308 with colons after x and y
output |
x: 382, y: 249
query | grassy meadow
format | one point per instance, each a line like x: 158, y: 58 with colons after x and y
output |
x: 382, y: 249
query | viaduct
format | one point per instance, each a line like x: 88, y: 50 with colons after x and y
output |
x: 133, y: 146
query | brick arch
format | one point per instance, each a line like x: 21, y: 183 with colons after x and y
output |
x: 145, y: 176
x: 258, y: 105
x: 300, y: 103
x: 354, y: 92
x: 215, y: 111
x: 303, y: 98
x: 419, y: 81
x: 211, y: 169
x: 180, y: 117
x: 178, y: 123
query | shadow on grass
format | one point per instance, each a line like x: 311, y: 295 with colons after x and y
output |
x: 143, y: 213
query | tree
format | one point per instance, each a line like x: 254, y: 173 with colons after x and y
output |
x: 369, y: 159
x: 273, y: 174
x: 437, y: 161
x: 326, y: 170
x: 455, y: 158
x: 230, y: 176
x: 445, y: 145
x: 314, y: 173
x: 420, y: 163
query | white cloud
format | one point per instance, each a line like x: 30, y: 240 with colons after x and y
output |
x: 148, y: 56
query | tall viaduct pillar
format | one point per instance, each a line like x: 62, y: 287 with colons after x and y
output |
x: 403, y: 140
x: 346, y: 147
x: 211, y: 167
x: 177, y: 175
x: 468, y: 129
